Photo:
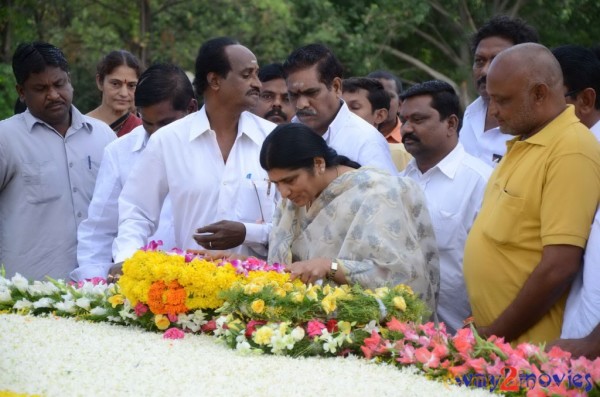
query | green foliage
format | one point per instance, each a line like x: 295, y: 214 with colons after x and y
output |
x: 8, y: 94
x: 365, y: 34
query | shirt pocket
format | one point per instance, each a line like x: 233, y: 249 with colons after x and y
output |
x: 40, y: 180
x: 254, y: 203
x: 503, y: 225
x: 445, y: 226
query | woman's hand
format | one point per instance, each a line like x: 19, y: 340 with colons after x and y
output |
x: 115, y: 272
x: 310, y: 271
x: 216, y: 255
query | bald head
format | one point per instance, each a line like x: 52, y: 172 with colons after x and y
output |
x: 526, y: 88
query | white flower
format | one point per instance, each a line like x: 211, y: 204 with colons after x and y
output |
x: 44, y: 302
x: 372, y: 326
x: 5, y: 295
x: 83, y: 303
x: 219, y: 323
x: 98, y: 311
x: 20, y: 282
x: 67, y: 306
x: 42, y: 288
x: 298, y: 333
x: 22, y: 304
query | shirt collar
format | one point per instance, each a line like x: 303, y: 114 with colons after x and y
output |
x: 447, y: 166
x: 395, y: 136
x: 547, y: 134
x: 141, y: 138
x: 247, y: 125
x: 340, y: 119
x: 78, y: 121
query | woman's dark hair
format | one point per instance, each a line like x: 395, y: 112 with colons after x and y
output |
x: 35, y: 57
x: 295, y: 145
x: 113, y: 60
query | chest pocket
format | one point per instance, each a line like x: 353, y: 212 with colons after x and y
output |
x: 503, y: 225
x: 40, y: 182
x: 446, y: 228
x: 255, y: 201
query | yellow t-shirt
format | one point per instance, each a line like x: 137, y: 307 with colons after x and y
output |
x: 544, y: 192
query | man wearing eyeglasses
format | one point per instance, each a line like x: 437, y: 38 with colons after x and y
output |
x: 273, y: 102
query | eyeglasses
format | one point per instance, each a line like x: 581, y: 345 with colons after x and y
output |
x: 262, y: 215
x: 572, y: 93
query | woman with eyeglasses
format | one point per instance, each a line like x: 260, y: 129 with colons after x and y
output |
x: 116, y: 78
x: 343, y: 223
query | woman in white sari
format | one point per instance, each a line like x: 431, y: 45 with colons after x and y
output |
x: 347, y: 224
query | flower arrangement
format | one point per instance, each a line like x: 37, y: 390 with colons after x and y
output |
x: 255, y: 308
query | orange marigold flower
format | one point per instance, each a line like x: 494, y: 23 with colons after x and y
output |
x: 167, y: 299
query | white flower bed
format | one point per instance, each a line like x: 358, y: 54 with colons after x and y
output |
x: 65, y: 357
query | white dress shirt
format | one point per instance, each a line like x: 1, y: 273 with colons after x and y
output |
x: 454, y: 190
x: 488, y: 146
x: 582, y: 312
x: 353, y: 137
x: 183, y: 160
x: 46, y: 184
x: 96, y: 234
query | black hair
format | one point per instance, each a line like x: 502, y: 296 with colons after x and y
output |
x: 384, y: 74
x: 443, y: 98
x: 515, y: 30
x: 161, y: 82
x: 270, y: 72
x: 377, y: 95
x: 113, y: 60
x: 212, y: 59
x: 35, y: 57
x: 580, y: 68
x: 329, y: 67
x: 295, y: 145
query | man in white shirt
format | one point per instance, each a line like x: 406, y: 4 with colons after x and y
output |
x: 49, y: 159
x: 480, y: 134
x: 208, y: 164
x: 453, y: 182
x: 163, y: 94
x: 314, y: 82
x: 581, y: 77
x: 274, y: 102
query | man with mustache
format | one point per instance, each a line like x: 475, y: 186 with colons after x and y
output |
x: 49, y: 159
x: 207, y: 162
x: 314, y: 82
x: 453, y: 182
x: 480, y: 134
x: 274, y: 101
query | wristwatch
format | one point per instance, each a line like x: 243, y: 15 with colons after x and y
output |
x: 332, y: 270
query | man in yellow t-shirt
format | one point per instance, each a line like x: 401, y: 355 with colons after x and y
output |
x: 526, y: 244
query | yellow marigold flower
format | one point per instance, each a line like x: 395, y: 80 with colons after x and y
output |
x: 280, y: 292
x: 345, y: 327
x: 399, y: 303
x: 283, y: 328
x: 258, y: 306
x: 404, y: 288
x: 253, y: 288
x: 263, y: 335
x: 339, y: 293
x: 381, y: 292
x: 116, y: 300
x: 161, y: 321
x: 329, y: 304
x: 288, y: 287
x: 326, y: 289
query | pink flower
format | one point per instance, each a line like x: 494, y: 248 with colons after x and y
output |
x: 172, y: 317
x: 173, y: 333
x: 427, y: 358
x: 209, y: 326
x: 407, y: 355
x: 251, y: 327
x: 152, y: 246
x: 315, y: 328
x: 459, y: 370
x: 140, y: 309
x: 372, y: 345
x: 395, y: 325
x: 536, y: 392
x: 497, y: 368
x: 440, y: 349
x: 478, y: 364
x: 464, y: 341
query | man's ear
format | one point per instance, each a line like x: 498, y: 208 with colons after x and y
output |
x: 586, y: 101
x: 20, y: 92
x: 214, y: 80
x: 192, y: 106
x: 336, y: 86
x: 453, y: 121
x: 381, y: 115
x: 539, y: 92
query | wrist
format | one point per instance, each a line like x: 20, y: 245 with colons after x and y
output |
x: 333, y: 268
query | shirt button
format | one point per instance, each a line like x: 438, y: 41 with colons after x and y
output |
x: 74, y: 190
x: 79, y: 214
x: 71, y: 164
